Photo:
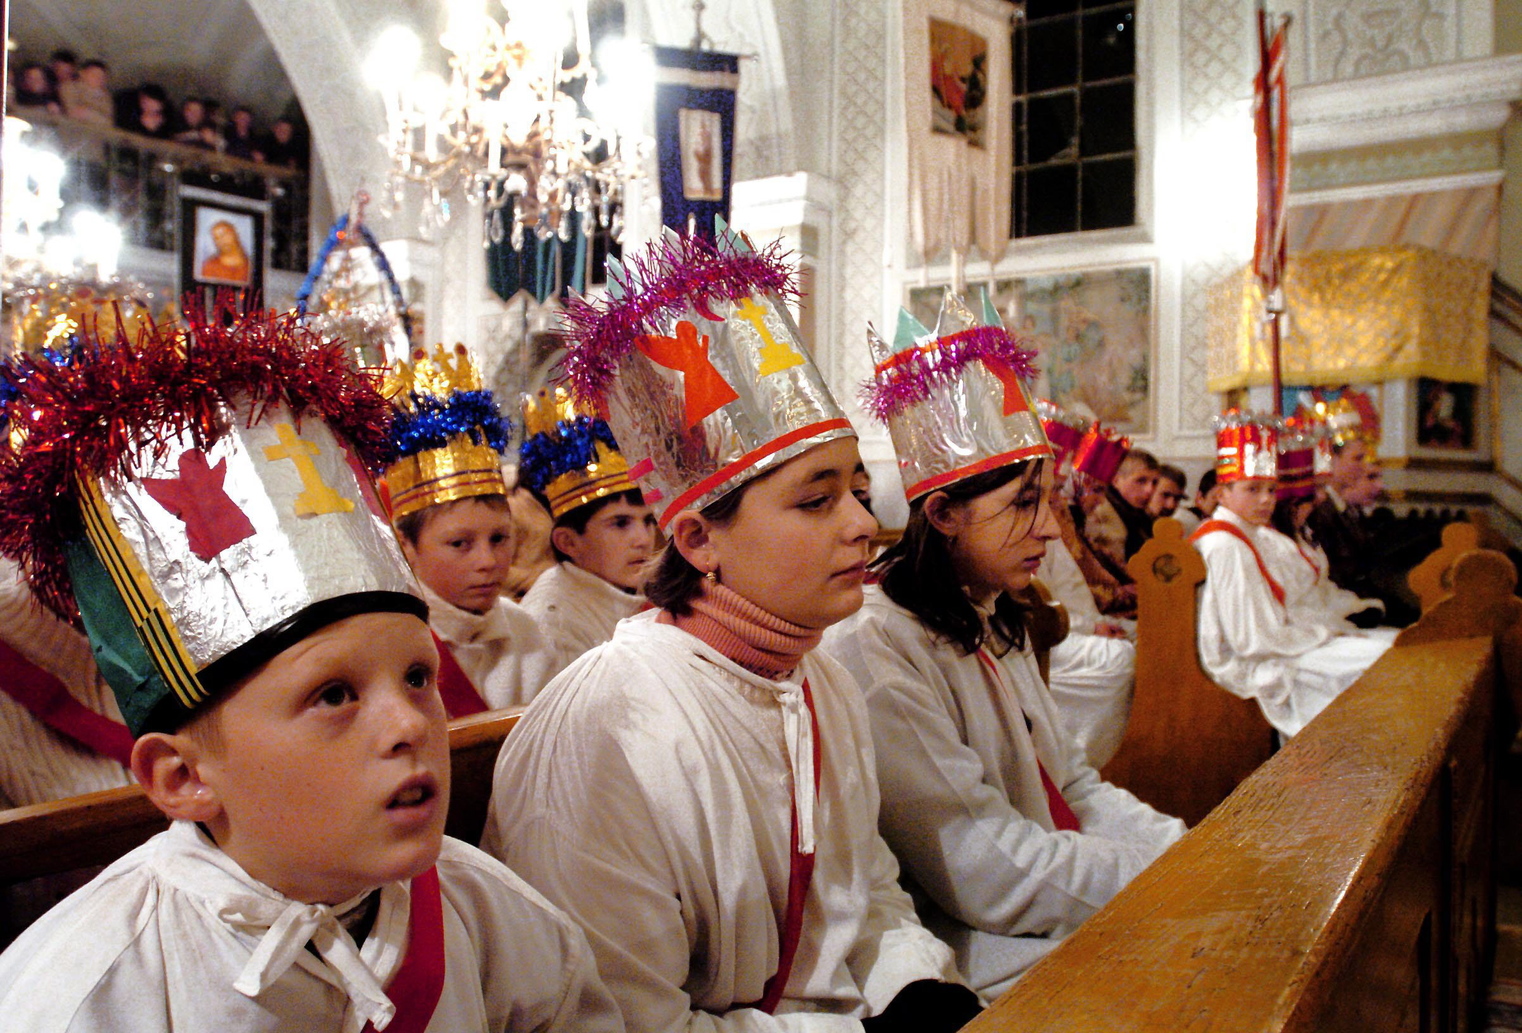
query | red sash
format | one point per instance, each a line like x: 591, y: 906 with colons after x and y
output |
x: 460, y: 696
x: 1062, y: 814
x: 419, y: 983
x: 800, y: 874
x: 1241, y: 535
x: 49, y: 701
x: 1306, y: 556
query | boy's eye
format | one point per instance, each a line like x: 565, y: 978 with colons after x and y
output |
x: 620, y: 522
x: 419, y: 676
x: 816, y: 502
x: 498, y: 539
x: 334, y: 694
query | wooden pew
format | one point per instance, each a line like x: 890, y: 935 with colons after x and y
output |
x: 1188, y: 742
x: 97, y: 828
x: 1345, y: 885
x: 1430, y: 579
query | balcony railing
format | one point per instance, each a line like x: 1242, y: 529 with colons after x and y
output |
x: 137, y: 179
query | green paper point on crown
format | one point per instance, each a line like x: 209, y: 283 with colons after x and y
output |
x: 990, y: 314
x: 910, y: 331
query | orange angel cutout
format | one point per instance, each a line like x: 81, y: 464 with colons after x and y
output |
x: 704, y: 388
x: 1014, y: 394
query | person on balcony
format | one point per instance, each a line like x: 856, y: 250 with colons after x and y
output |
x: 88, y: 98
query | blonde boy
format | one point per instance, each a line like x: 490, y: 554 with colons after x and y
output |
x: 268, y: 650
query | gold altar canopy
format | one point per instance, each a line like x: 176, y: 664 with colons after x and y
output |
x: 1369, y: 314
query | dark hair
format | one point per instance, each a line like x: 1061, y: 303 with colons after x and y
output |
x: 577, y: 519
x: 1283, y: 519
x: 1175, y: 475
x: 411, y: 525
x: 1137, y: 457
x: 916, y: 571
x: 63, y: 55
x: 1207, y: 481
x: 673, y: 581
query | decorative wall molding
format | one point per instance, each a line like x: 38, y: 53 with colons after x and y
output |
x: 1397, y: 188
x: 1450, y: 158
x: 1442, y: 100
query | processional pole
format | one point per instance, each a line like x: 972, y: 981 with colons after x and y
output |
x: 1271, y: 130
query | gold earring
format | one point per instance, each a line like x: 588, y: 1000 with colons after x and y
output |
x: 712, y: 576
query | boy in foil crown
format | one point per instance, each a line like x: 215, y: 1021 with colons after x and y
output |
x: 604, y: 534
x: 197, y: 500
x: 448, y: 503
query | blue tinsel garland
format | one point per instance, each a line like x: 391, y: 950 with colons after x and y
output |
x: 572, y: 446
x: 434, y: 422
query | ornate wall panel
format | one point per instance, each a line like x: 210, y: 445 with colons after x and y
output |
x: 1349, y: 39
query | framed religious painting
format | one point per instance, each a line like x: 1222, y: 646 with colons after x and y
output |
x: 222, y: 244
x: 1094, y: 333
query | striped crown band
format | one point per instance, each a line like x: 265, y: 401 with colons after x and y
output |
x: 568, y: 457
x: 461, y: 469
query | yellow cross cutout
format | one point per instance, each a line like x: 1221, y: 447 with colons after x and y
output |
x: 316, y: 497
x: 775, y: 355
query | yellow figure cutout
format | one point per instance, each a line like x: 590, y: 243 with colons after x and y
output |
x: 316, y: 497
x: 775, y: 356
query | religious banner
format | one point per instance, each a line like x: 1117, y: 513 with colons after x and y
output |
x: 956, y: 102
x: 695, y: 135
x: 1364, y: 315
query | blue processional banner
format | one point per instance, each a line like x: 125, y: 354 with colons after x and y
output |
x: 695, y: 135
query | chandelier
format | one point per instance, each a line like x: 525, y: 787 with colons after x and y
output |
x: 522, y: 125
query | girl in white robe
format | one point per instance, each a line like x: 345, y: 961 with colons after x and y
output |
x: 1006, y: 831
x: 1252, y: 641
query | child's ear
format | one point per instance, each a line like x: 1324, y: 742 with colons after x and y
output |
x: 693, y: 538
x: 168, y: 767
x: 944, y: 515
x: 567, y: 541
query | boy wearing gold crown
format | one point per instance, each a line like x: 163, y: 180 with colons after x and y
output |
x: 698, y: 792
x: 604, y: 534
x: 198, y: 501
x: 1254, y: 641
x: 448, y: 503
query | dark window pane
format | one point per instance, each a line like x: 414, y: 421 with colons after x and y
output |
x: 1051, y: 54
x: 1043, y: 8
x: 1109, y: 44
x: 1109, y: 119
x: 1109, y: 193
x: 1017, y: 57
x: 1017, y: 206
x: 1017, y: 116
x: 1051, y: 200
x: 1051, y: 127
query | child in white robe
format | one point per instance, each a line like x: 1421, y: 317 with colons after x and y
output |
x: 297, y: 739
x: 698, y: 792
x: 604, y: 534
x: 1008, y: 836
x: 449, y: 504
x: 1253, y: 640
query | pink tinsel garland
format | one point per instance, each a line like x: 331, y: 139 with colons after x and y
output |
x: 909, y: 376
x: 670, y: 275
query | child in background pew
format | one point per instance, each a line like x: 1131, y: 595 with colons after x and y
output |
x: 604, y: 534
x: 698, y: 792
x: 1008, y: 837
x: 295, y: 736
x: 1253, y: 642
x: 449, y: 505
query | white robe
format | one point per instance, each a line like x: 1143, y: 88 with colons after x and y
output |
x: 649, y: 792
x: 1290, y: 661
x: 1092, y: 676
x: 158, y: 940
x: 576, y: 610
x: 1301, y: 568
x: 501, y: 651
x: 36, y: 763
x: 963, y: 803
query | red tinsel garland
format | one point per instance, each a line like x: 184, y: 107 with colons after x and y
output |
x: 114, y: 400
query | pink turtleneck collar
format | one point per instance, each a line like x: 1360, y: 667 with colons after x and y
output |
x: 758, y: 641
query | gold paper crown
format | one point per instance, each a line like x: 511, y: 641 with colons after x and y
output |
x: 447, y: 430
x: 567, y: 456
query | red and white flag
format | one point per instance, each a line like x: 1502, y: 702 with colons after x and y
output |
x: 1271, y: 128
